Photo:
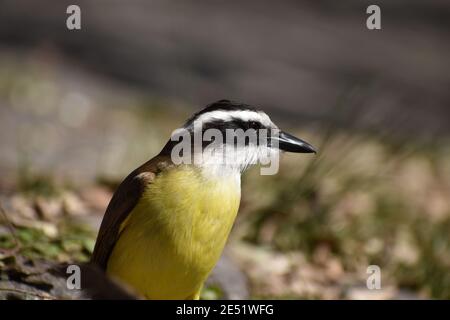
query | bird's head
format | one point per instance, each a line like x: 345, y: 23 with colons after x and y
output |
x: 227, y: 136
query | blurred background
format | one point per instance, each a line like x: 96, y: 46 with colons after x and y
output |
x: 80, y: 109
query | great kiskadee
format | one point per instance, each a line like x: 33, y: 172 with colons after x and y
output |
x: 167, y: 223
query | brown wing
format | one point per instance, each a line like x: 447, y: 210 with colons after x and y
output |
x: 122, y: 203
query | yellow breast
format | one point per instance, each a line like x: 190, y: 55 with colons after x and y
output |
x: 176, y: 233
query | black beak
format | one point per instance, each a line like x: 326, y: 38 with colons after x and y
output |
x: 289, y: 143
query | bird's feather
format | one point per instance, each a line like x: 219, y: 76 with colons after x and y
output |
x: 175, y: 233
x: 122, y: 203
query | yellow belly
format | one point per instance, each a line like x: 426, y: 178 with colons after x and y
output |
x: 176, y: 233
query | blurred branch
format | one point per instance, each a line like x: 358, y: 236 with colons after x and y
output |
x: 12, y: 230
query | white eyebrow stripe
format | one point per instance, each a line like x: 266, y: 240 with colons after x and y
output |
x: 244, y: 115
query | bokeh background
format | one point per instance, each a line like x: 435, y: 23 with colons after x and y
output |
x: 80, y: 109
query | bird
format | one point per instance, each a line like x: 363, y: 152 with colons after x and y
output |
x: 167, y: 223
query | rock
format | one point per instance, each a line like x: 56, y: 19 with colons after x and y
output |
x: 96, y: 197
x: 72, y: 205
x: 230, y: 279
x: 23, y: 207
x: 48, y: 208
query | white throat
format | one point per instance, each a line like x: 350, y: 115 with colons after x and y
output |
x: 231, y: 161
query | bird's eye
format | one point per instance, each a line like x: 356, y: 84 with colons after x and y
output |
x: 254, y: 125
